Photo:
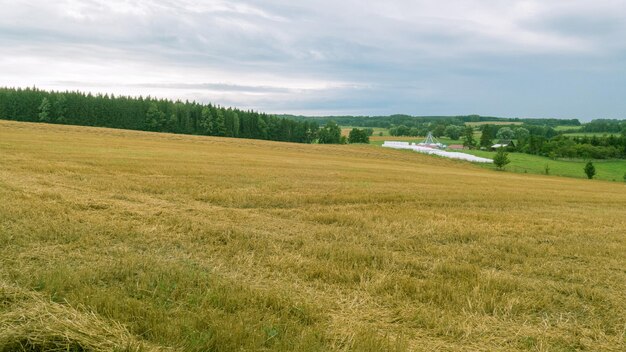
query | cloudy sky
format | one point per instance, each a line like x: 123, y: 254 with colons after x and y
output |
x: 556, y: 58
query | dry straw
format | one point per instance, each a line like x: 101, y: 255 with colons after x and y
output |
x: 28, y: 322
x: 218, y: 244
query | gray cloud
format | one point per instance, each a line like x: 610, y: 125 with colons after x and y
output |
x: 561, y: 58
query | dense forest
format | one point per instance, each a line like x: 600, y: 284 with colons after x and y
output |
x: 150, y: 114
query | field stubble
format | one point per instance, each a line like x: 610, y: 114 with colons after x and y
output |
x: 198, y: 243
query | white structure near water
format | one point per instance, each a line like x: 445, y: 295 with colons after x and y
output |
x: 420, y: 148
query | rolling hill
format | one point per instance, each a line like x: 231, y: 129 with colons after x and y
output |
x: 114, y: 239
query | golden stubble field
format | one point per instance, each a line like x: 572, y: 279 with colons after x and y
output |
x: 125, y: 240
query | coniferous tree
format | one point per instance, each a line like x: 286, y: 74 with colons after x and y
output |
x: 235, y: 124
x: 263, y: 129
x: 155, y: 118
x: 501, y: 159
x: 172, y: 123
x: 44, y: 110
x: 219, y: 126
x: 60, y: 109
x: 146, y: 113
x: 468, y: 137
x: 486, y: 138
x: 206, y: 121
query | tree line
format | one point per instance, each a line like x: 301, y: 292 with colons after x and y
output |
x: 421, y: 121
x: 543, y: 140
x: 604, y: 126
x: 159, y: 115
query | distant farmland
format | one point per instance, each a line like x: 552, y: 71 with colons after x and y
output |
x: 113, y: 239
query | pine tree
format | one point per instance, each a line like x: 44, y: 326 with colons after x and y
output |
x: 60, y: 109
x: 263, y: 129
x: 172, y: 123
x: 468, y: 138
x: 501, y: 159
x: 235, y: 124
x: 44, y: 110
x: 155, y: 118
x: 219, y: 127
x: 486, y: 136
x: 206, y: 121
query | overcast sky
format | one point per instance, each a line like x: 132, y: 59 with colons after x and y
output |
x: 555, y: 58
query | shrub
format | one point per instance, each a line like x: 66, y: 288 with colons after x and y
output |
x: 590, y: 170
x: 501, y: 159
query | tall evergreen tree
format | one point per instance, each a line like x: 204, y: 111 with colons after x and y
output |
x: 155, y: 118
x: 172, y: 123
x: 60, y: 109
x: 263, y: 129
x: 235, y: 127
x: 44, y: 110
x: 206, y: 121
x: 468, y: 138
x: 219, y: 126
x: 486, y: 138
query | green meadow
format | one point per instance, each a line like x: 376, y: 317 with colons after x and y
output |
x: 609, y: 170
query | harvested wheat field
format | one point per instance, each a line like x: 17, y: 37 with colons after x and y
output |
x: 121, y: 240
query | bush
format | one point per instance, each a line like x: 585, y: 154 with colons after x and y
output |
x: 590, y: 170
x: 358, y: 136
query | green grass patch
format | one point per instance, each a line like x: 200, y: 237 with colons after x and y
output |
x: 610, y: 170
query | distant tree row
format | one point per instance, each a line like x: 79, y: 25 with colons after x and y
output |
x: 453, y: 131
x: 604, y: 126
x: 161, y: 115
x: 543, y: 140
x: 581, y: 148
x: 419, y: 121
